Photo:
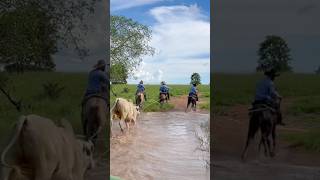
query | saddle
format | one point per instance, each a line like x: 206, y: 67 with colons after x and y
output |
x: 260, y: 107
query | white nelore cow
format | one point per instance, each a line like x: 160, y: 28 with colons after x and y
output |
x: 125, y: 111
x: 44, y: 151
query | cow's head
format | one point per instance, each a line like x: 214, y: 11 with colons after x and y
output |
x: 87, y: 150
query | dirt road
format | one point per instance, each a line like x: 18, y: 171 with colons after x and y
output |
x: 230, y: 132
x: 161, y: 146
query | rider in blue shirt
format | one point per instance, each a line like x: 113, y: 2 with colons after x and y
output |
x: 266, y: 93
x: 193, y: 93
x: 164, y: 89
x: 141, y: 89
x: 98, y: 82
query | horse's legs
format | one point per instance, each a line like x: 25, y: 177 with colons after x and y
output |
x: 273, y: 140
x: 263, y: 139
x: 128, y: 125
x: 244, y: 153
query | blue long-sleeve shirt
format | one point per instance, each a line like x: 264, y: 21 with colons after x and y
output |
x: 164, y: 89
x: 140, y: 88
x: 193, y: 91
x: 97, y: 80
x: 265, y: 90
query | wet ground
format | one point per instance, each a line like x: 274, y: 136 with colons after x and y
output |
x: 230, y: 132
x: 162, y: 145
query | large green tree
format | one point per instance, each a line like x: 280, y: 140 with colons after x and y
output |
x: 195, y: 79
x: 274, y: 53
x: 129, y: 43
x: 28, y: 39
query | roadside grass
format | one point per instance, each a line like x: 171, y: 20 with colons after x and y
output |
x: 302, y: 91
x: 310, y: 140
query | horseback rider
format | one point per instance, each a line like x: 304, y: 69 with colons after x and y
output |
x: 141, y: 89
x: 266, y: 93
x: 193, y: 93
x: 98, y: 85
x: 98, y: 82
x: 164, y: 89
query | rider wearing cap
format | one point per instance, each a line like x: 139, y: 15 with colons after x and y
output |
x: 141, y: 89
x: 164, y: 89
x: 266, y: 93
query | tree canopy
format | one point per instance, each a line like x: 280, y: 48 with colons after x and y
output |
x: 274, y: 53
x: 195, y: 79
x: 31, y: 30
x: 129, y: 43
x: 27, y: 39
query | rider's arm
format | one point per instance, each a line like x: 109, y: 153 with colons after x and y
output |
x: 274, y: 92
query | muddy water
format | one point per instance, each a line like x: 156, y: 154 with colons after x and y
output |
x: 161, y: 146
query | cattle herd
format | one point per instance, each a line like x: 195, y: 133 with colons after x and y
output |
x: 43, y: 150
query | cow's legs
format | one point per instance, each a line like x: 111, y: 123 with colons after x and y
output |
x: 120, y: 125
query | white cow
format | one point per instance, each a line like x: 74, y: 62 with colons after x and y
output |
x: 125, y: 111
x: 44, y: 151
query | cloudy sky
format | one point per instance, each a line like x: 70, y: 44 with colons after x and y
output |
x: 239, y: 27
x: 180, y: 35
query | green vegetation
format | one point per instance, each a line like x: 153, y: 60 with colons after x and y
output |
x: 57, y: 103
x: 301, y: 93
x: 151, y: 105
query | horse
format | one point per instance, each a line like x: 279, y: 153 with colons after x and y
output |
x: 139, y: 99
x: 264, y: 118
x: 192, y: 99
x: 94, y: 117
x: 163, y: 98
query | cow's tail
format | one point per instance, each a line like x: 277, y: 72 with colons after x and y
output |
x: 115, y: 104
x: 19, y: 125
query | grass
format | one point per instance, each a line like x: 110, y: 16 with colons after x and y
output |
x: 310, y: 140
x: 301, y: 91
x: 29, y: 88
x: 151, y: 105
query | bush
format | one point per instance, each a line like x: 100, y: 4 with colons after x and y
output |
x: 53, y: 90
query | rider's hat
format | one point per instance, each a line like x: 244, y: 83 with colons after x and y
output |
x: 101, y: 63
x: 141, y: 82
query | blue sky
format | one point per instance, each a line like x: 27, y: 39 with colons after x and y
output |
x: 180, y: 35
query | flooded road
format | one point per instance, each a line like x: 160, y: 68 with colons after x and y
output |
x: 162, y: 145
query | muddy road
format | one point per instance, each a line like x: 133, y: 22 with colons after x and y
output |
x: 290, y: 163
x: 162, y: 145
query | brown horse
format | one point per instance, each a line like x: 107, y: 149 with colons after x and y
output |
x: 192, y: 100
x: 95, y: 113
x: 163, y: 97
x: 139, y: 99
x: 265, y: 119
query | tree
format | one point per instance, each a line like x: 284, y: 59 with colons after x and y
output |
x: 118, y: 74
x: 195, y: 79
x: 274, y: 53
x: 66, y: 16
x: 129, y: 43
x: 28, y: 39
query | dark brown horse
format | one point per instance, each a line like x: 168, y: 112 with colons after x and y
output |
x: 264, y: 118
x: 95, y: 112
x: 192, y: 100
x: 163, y: 98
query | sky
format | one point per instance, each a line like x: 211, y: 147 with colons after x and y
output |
x: 180, y: 36
x: 239, y: 27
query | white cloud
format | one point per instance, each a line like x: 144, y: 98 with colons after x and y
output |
x: 126, y: 4
x: 181, y: 37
